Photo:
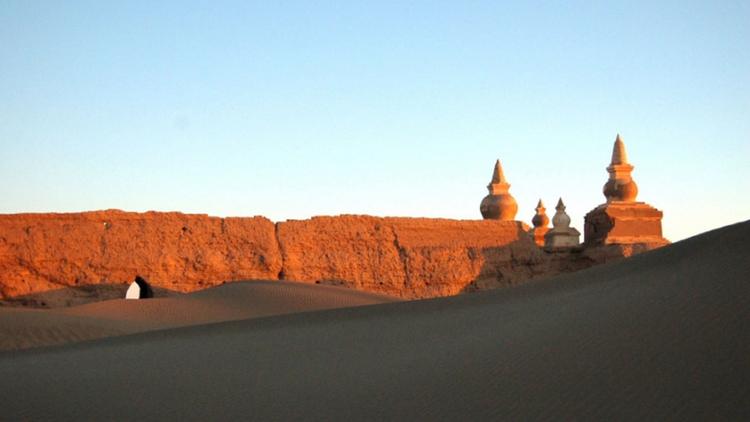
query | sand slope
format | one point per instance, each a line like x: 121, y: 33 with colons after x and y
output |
x: 664, y: 335
x: 23, y: 328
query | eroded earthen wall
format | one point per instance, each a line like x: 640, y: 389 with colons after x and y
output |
x: 405, y: 257
x: 40, y: 252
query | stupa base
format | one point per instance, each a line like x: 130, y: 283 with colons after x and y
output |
x: 619, y: 223
x: 556, y: 241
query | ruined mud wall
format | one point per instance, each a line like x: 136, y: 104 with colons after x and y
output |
x: 40, y: 252
x: 406, y: 257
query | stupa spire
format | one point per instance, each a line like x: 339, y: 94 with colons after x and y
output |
x: 619, y: 155
x: 620, y: 186
x: 498, y: 176
x: 498, y: 204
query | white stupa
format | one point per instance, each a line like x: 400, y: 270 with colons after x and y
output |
x: 562, y: 236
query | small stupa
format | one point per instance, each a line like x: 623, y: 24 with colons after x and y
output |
x: 622, y: 220
x: 540, y: 223
x: 498, y: 204
x: 562, y: 236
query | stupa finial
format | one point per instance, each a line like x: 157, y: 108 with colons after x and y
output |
x: 498, y: 176
x: 498, y: 185
x: 619, y: 155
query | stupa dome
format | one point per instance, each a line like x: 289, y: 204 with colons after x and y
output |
x: 498, y: 204
x: 617, y: 191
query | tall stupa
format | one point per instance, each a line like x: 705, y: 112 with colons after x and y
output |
x: 498, y: 204
x: 620, y: 187
x: 622, y: 220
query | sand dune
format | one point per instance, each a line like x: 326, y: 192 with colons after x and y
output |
x: 663, y: 335
x: 24, y: 328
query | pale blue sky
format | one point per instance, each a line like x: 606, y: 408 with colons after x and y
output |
x: 293, y: 109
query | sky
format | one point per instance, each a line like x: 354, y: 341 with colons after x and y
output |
x: 391, y: 108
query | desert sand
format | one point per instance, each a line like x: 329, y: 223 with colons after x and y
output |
x: 662, y: 335
x: 22, y: 328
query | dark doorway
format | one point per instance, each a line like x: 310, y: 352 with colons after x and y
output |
x: 146, y: 291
